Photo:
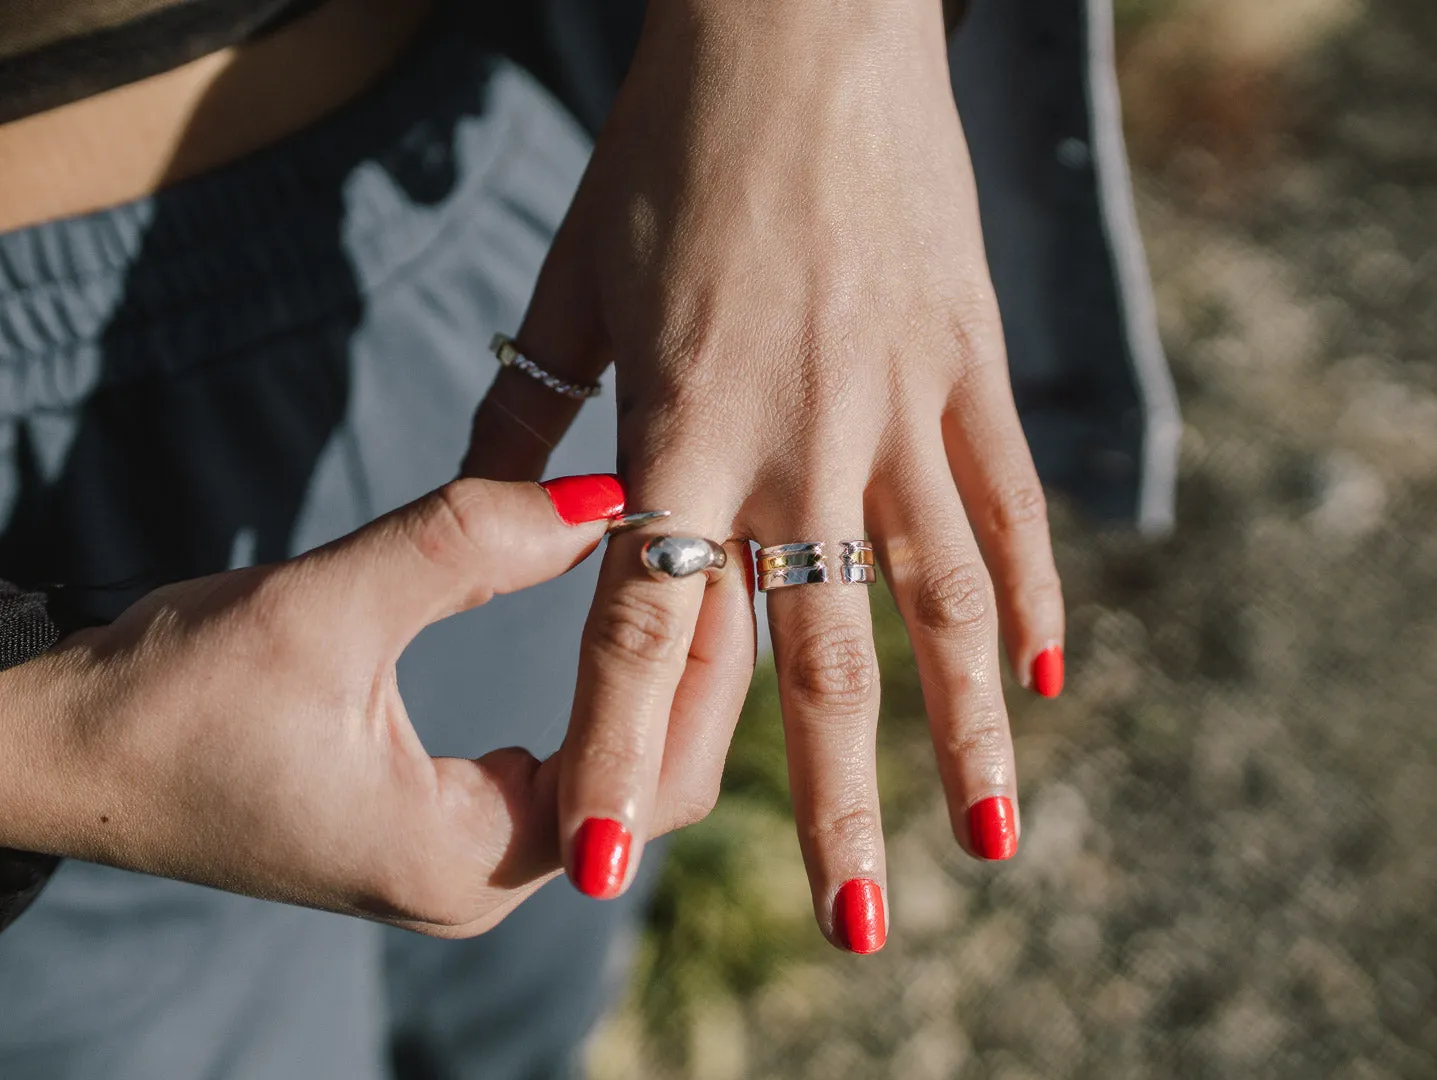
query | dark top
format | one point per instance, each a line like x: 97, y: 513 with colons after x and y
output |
x: 57, y: 51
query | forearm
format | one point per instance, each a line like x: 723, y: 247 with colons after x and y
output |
x: 23, y: 873
x: 34, y: 778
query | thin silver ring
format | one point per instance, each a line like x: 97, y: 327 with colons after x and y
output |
x: 507, y: 350
x: 673, y: 557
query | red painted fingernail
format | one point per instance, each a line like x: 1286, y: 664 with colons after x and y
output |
x: 858, y: 916
x: 601, y: 857
x: 578, y: 499
x: 750, y: 574
x: 993, y: 828
x: 1048, y: 672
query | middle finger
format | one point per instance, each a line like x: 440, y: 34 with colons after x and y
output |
x: 828, y: 689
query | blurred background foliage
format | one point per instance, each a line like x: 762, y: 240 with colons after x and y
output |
x: 1230, y: 817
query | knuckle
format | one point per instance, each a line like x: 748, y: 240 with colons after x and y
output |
x: 968, y: 327
x: 834, y: 668
x: 638, y: 629
x: 1044, y: 593
x: 980, y: 745
x: 456, y: 519
x: 616, y: 759
x: 693, y: 808
x: 955, y: 600
x: 853, y: 829
x: 1017, y: 509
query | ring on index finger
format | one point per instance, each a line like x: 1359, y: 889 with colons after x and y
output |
x: 682, y: 556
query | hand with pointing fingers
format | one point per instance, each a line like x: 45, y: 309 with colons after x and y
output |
x: 246, y: 730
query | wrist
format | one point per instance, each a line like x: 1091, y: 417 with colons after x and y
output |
x: 40, y: 781
x: 794, y: 26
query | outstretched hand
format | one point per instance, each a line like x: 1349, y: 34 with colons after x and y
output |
x: 777, y: 244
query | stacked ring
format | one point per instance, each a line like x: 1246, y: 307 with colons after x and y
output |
x: 856, y: 563
x: 784, y: 565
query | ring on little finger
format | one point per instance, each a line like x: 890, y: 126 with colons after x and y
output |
x: 670, y: 557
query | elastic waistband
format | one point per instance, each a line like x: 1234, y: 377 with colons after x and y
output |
x: 282, y: 238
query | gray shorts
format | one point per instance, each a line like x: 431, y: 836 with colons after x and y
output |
x: 234, y: 371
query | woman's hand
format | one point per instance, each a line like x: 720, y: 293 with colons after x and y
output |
x: 246, y: 730
x: 777, y: 244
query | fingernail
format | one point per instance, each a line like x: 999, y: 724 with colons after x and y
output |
x: 1048, y: 672
x: 858, y: 916
x: 750, y: 575
x: 601, y: 858
x: 993, y: 828
x: 578, y: 499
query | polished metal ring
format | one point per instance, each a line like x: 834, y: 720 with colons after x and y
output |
x: 791, y: 559
x: 783, y: 565
x: 507, y: 350
x: 856, y: 563
x: 669, y: 557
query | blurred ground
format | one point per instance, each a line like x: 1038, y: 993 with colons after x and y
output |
x: 1229, y: 854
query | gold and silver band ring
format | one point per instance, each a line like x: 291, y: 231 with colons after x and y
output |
x: 856, y: 564
x: 784, y: 565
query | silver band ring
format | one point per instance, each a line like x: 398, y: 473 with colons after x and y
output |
x: 783, y: 565
x: 671, y: 557
x: 507, y: 350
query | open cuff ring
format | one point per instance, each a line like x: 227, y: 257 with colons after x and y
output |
x: 683, y: 556
x: 856, y: 563
x: 784, y: 565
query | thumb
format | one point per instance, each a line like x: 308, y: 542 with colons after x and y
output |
x: 456, y: 547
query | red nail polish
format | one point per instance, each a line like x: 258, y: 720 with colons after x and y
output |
x: 858, y: 916
x: 578, y: 499
x: 993, y: 828
x: 750, y: 573
x: 1048, y: 672
x: 601, y: 858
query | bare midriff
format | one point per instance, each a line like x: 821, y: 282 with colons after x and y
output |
x: 125, y: 143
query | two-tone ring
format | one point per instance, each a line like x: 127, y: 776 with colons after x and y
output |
x: 856, y: 564
x: 784, y: 565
